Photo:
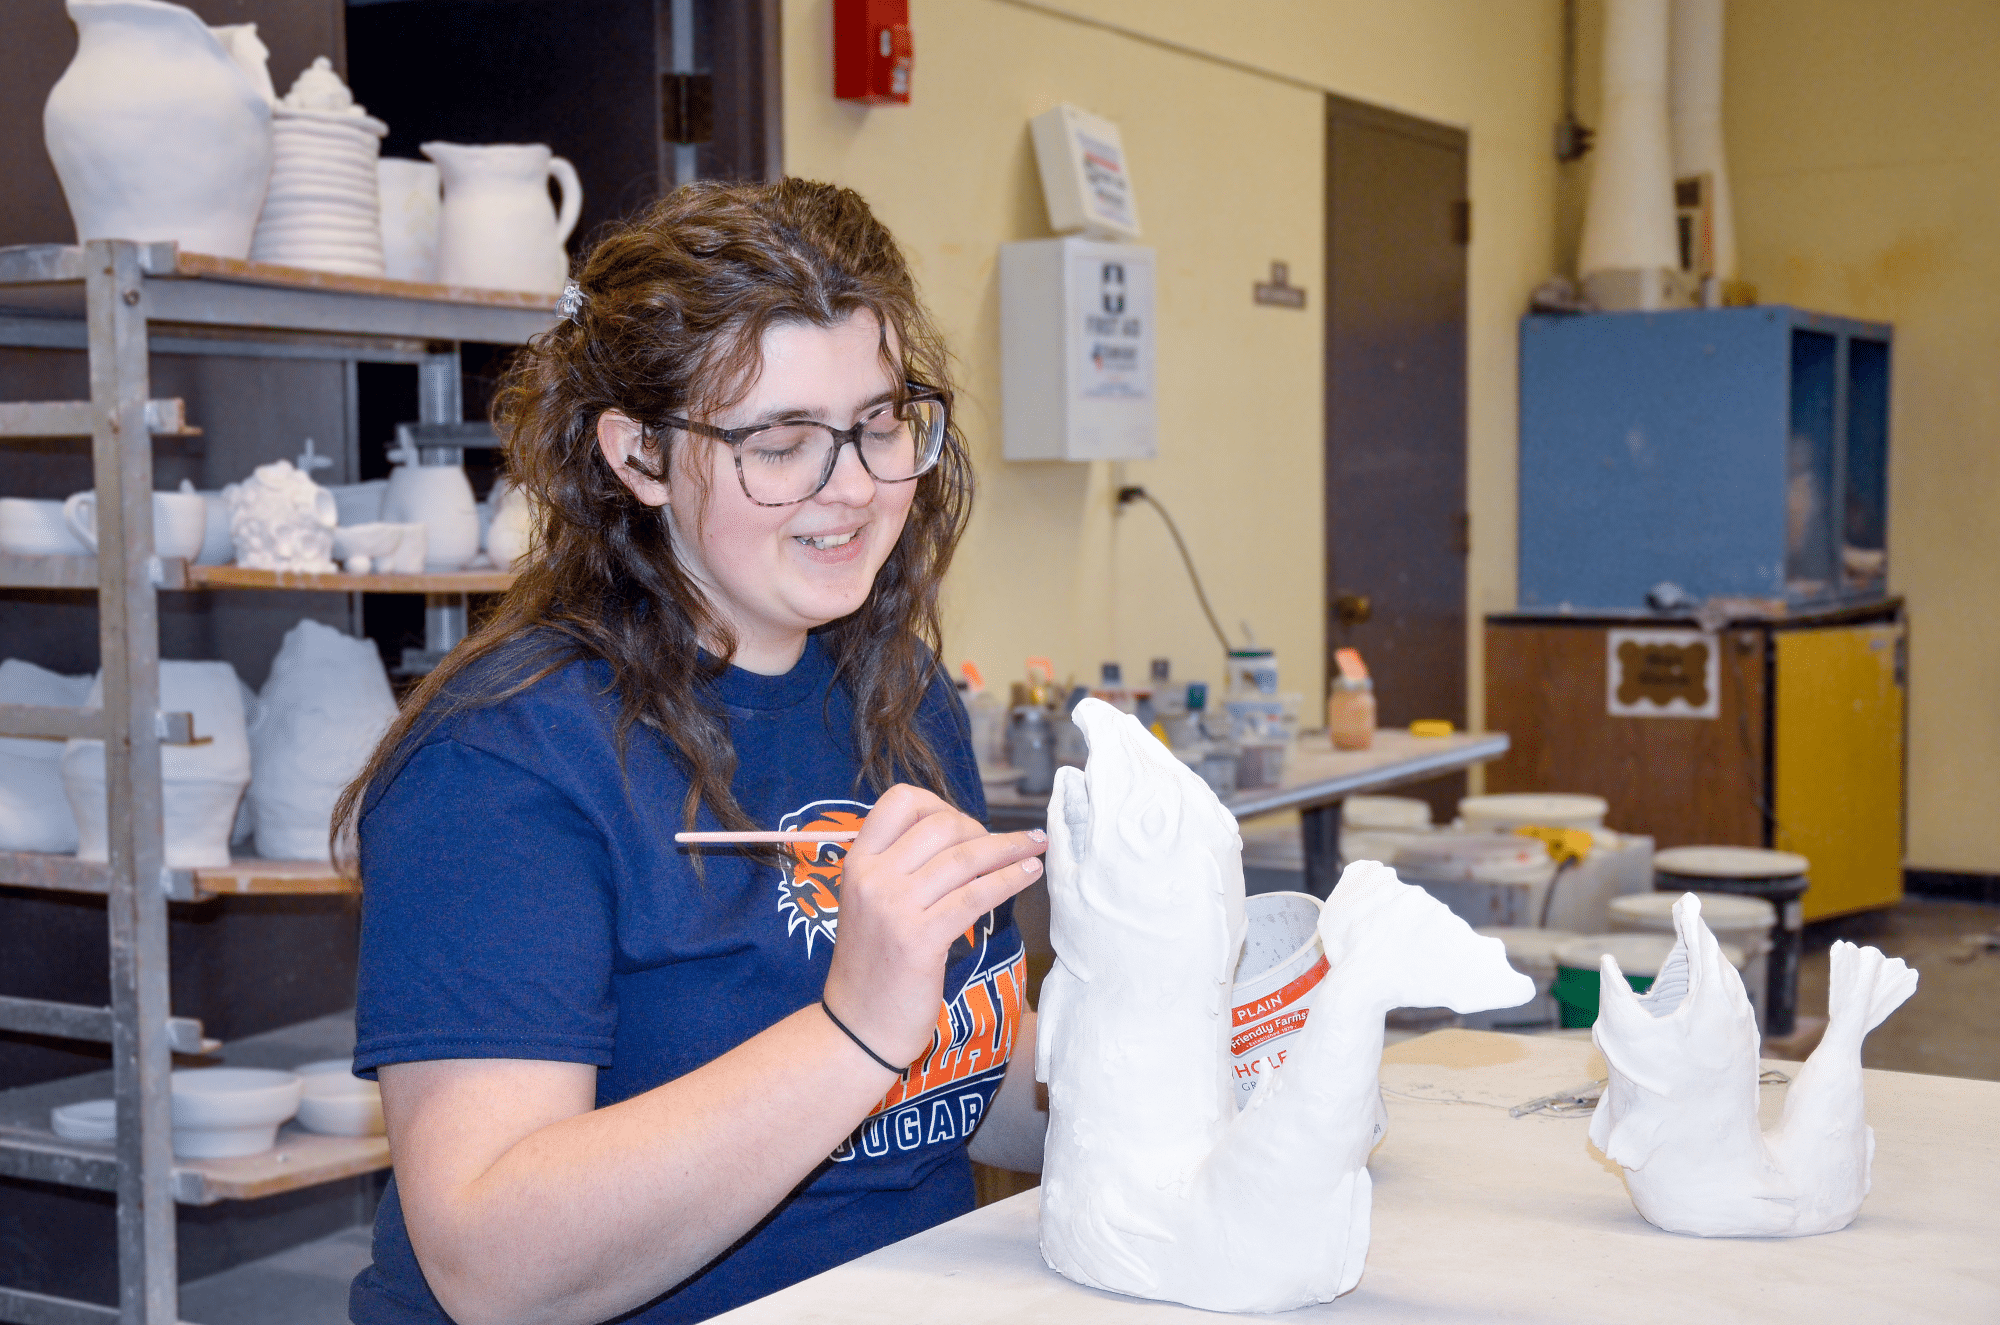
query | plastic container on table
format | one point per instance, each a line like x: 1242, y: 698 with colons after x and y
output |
x: 1504, y: 813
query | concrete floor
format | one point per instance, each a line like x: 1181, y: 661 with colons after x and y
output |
x: 1951, y: 1026
x: 306, y: 1285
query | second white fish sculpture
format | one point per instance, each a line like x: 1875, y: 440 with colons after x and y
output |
x: 1679, y: 1111
x: 1153, y: 1184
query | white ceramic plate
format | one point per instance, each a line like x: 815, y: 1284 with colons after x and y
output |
x: 90, y: 1120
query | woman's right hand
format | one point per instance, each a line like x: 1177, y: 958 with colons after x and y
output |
x: 918, y: 875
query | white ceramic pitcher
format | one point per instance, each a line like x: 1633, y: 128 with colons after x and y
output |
x: 161, y: 127
x: 497, y: 229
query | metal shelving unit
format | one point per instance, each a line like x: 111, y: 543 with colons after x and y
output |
x: 120, y: 301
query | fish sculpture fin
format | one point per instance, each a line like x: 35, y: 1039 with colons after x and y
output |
x: 1411, y: 948
x: 1865, y: 986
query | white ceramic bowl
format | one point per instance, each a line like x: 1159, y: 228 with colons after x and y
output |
x: 88, y: 1120
x: 339, y: 1103
x: 223, y: 1112
x: 374, y: 541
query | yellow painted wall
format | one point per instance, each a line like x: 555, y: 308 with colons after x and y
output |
x: 1864, y: 144
x: 1227, y: 165
x: 1864, y: 151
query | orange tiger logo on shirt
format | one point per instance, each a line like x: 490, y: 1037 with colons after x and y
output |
x: 943, y: 1094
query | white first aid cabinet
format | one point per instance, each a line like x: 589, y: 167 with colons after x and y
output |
x: 1076, y: 351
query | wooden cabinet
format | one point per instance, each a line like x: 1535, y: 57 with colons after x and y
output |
x: 1803, y: 752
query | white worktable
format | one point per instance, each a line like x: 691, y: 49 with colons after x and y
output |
x: 1483, y: 1217
x: 1317, y: 778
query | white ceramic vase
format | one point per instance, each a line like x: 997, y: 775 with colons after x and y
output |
x: 410, y: 198
x: 158, y: 131
x: 325, y: 705
x: 34, y: 809
x: 201, y: 784
x: 439, y: 497
x: 497, y: 229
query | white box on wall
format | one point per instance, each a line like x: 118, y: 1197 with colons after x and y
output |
x: 1085, y: 181
x: 1076, y: 351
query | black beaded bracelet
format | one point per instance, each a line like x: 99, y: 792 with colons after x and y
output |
x: 857, y: 1039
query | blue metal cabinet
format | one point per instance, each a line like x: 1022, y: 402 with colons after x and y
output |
x: 1738, y: 452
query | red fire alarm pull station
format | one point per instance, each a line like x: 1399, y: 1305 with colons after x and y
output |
x: 871, y: 51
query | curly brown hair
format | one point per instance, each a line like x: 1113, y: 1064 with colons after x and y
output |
x: 675, y: 305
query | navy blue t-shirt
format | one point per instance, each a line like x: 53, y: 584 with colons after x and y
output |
x: 524, y: 898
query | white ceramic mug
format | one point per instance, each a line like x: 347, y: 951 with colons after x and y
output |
x: 216, y: 547
x: 30, y: 528
x: 180, y: 521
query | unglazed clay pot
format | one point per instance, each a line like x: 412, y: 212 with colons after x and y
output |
x: 409, y: 193
x: 439, y: 497
x: 322, y: 211
x: 497, y: 229
x: 34, y: 811
x: 513, y: 528
x: 201, y: 784
x: 325, y: 705
x: 159, y: 129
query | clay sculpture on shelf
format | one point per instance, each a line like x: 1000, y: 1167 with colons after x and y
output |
x: 326, y: 704
x: 279, y: 519
x: 200, y: 784
x: 1153, y: 1183
x: 322, y: 210
x: 1679, y: 1111
x: 160, y: 129
x: 428, y: 487
x: 34, y: 812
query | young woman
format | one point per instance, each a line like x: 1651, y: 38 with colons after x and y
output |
x: 624, y: 1076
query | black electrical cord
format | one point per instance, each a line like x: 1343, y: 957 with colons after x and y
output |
x: 1128, y: 495
x: 1549, y: 896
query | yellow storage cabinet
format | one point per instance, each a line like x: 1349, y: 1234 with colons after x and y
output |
x: 1837, y: 762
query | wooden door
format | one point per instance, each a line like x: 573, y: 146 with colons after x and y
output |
x: 1397, y: 228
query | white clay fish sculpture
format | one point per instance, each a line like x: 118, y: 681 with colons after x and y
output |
x: 1153, y: 1184
x: 1679, y: 1111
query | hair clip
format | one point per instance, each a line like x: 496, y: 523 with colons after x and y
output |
x: 571, y: 302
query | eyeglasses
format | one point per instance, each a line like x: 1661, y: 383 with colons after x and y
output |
x: 782, y: 464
